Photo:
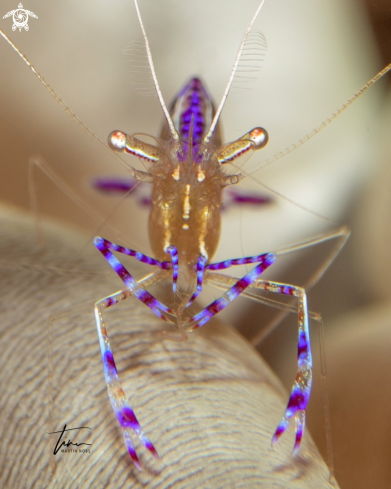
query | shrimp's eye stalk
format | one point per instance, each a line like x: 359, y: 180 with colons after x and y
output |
x: 117, y: 140
x: 259, y: 137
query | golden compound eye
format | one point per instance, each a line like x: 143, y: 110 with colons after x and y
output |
x: 259, y: 137
x: 200, y: 176
x: 117, y: 140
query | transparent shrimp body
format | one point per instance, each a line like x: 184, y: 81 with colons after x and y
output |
x: 188, y: 176
x: 186, y: 169
x: 187, y: 183
x: 187, y: 173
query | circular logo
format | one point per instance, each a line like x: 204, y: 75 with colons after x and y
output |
x: 20, y: 18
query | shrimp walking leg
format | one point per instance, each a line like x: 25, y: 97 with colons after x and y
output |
x: 200, y: 278
x: 301, y: 390
x: 141, y: 294
x: 121, y: 407
x: 264, y: 261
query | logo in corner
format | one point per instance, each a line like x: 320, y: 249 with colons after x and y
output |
x: 20, y: 17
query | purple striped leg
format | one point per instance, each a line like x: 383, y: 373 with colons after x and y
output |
x: 222, y: 265
x: 105, y: 247
x: 264, y: 261
x: 301, y: 390
x: 172, y: 250
x: 200, y: 267
x: 121, y: 407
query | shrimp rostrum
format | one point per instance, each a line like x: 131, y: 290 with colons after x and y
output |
x: 187, y: 170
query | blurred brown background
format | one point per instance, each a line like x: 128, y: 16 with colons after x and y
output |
x: 319, y: 54
x: 379, y: 14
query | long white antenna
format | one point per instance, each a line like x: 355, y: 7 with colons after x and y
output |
x: 325, y: 123
x: 209, y: 134
x: 171, y: 126
x: 138, y: 174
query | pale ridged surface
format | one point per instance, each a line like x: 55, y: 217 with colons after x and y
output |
x: 210, y: 405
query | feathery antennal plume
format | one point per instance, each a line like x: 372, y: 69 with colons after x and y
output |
x: 209, y: 134
x: 140, y: 71
x: 171, y: 126
x: 253, y: 55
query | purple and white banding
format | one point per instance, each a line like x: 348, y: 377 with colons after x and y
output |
x: 219, y: 304
x: 172, y: 250
x: 200, y: 267
x: 222, y: 265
